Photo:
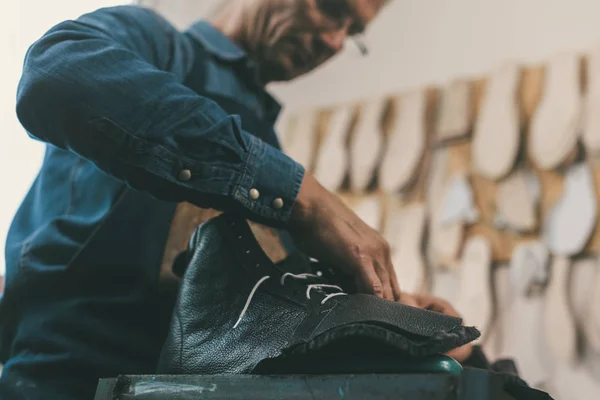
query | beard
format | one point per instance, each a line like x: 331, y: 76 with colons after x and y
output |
x: 289, y: 59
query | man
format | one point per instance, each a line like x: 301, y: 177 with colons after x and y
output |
x: 146, y: 128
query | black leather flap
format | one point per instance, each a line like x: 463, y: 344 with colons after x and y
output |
x: 366, y: 309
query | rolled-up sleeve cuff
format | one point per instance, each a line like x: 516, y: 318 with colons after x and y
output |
x: 269, y: 184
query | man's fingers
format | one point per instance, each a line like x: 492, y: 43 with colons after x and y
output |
x: 393, y: 280
x: 460, y: 354
x: 371, y: 281
x: 387, y: 290
x: 409, y: 300
x: 385, y: 279
x: 436, y: 304
x: 389, y: 267
x: 395, y: 286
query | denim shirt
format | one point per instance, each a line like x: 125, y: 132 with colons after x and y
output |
x: 107, y: 93
x: 126, y: 65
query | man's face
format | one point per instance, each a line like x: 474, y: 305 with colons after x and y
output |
x: 300, y: 35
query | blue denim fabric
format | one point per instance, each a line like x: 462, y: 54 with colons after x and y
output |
x: 112, y: 94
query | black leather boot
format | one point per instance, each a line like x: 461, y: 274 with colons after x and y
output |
x: 237, y: 309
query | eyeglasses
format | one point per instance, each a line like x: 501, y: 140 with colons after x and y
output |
x: 342, y: 12
x: 362, y: 47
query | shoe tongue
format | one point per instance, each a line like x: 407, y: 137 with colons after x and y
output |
x: 296, y: 263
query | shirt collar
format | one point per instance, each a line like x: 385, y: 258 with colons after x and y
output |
x: 215, y: 42
x: 220, y: 46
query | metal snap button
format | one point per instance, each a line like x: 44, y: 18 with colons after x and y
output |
x: 185, y: 175
x: 254, y: 194
x: 278, y: 203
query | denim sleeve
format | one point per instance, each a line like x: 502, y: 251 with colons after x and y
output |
x: 108, y: 86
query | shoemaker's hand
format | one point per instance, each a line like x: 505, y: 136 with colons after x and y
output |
x: 326, y: 229
x: 431, y: 303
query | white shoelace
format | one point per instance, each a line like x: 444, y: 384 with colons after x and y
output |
x: 295, y: 276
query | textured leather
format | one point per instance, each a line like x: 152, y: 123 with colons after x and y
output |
x: 225, y: 262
